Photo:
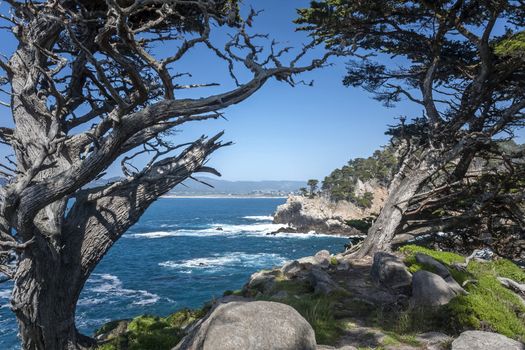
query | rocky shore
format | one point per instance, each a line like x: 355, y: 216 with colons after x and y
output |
x: 413, y: 299
x: 319, y: 214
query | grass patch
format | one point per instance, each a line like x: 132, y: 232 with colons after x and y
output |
x: 489, y: 305
x: 318, y: 310
x: 150, y: 332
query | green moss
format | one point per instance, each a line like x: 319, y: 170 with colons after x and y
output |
x: 445, y: 257
x: 488, y: 305
x: 394, y: 338
x: 333, y: 261
x: 108, y: 327
x: 152, y: 333
x: 293, y: 287
x: 107, y: 347
x: 506, y: 268
x: 237, y: 292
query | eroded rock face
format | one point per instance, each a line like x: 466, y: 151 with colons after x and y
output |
x: 478, y: 340
x: 258, y: 325
x: 322, y: 282
x: 430, y: 289
x: 321, y: 215
x: 389, y: 271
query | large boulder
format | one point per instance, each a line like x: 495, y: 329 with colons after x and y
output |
x: 389, y: 271
x: 258, y: 325
x: 441, y: 270
x: 322, y: 282
x: 263, y: 281
x: 430, y: 289
x: 478, y: 340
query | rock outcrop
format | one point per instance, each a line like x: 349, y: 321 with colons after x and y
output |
x: 478, y: 340
x: 430, y: 289
x: 389, y: 271
x: 321, y: 215
x: 257, y: 325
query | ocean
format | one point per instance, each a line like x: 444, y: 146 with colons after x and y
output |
x: 182, y: 253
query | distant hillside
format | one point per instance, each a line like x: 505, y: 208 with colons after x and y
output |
x: 220, y: 187
x: 223, y: 187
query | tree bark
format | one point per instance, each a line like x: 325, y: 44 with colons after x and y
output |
x: 44, y: 298
x: 383, y: 230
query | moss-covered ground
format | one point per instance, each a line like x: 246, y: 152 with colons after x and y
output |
x: 148, y: 332
x: 488, y: 306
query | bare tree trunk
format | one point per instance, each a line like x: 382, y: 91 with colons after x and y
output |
x: 382, y: 232
x: 44, y: 298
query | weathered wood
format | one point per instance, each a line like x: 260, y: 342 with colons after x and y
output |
x: 86, y: 91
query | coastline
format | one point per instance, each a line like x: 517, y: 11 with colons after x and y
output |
x: 222, y: 196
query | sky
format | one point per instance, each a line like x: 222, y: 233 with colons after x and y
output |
x: 284, y: 132
x: 295, y: 133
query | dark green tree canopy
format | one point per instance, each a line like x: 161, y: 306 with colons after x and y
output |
x: 463, y: 62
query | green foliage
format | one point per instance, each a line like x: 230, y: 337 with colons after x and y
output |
x: 150, y: 332
x: 362, y: 225
x: 511, y: 46
x: 312, y: 184
x: 292, y: 287
x: 488, y: 305
x: 341, y: 183
x: 318, y: 310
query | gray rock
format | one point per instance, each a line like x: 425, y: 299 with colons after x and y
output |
x: 477, y: 340
x: 389, y: 271
x: 291, y: 269
x: 437, y: 267
x: 323, y: 258
x: 441, y: 270
x: 307, y: 261
x: 434, y: 340
x: 343, y: 266
x: 258, y: 325
x: 321, y: 281
x: 263, y: 281
x: 429, y: 289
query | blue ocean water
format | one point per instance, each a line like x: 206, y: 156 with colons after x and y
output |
x: 182, y: 253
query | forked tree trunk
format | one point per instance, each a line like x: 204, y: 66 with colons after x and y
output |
x: 384, y: 228
x: 44, y: 299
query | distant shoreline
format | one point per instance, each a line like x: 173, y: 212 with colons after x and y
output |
x: 222, y: 196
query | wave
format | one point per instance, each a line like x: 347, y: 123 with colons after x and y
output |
x: 221, y: 261
x: 109, y: 289
x: 259, y: 217
x: 267, y: 230
x: 212, y: 230
x: 5, y: 294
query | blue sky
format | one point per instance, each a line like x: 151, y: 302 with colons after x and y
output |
x: 284, y: 133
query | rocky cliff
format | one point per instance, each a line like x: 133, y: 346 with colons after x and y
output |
x: 322, y: 215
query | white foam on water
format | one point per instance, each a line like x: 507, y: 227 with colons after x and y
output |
x: 219, y: 262
x: 5, y: 294
x: 108, y: 286
x: 251, y: 230
x: 259, y: 217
